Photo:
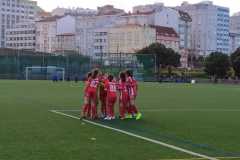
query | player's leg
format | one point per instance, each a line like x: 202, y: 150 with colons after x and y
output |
x: 103, y: 106
x: 93, y: 105
x: 108, y: 109
x: 89, y: 108
x: 123, y: 107
x: 121, y: 110
x: 129, y: 114
x: 93, y: 110
x: 134, y: 109
x: 85, y: 107
x: 114, y: 100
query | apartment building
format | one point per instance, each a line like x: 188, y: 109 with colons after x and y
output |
x: 21, y: 36
x: 13, y: 12
x: 210, y: 27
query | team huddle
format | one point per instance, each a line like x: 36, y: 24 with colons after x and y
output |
x: 108, y: 90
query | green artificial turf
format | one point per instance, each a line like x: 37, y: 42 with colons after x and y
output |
x: 201, y: 118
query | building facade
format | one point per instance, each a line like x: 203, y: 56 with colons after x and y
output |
x: 13, y: 12
x: 21, y: 36
x: 148, y: 7
x: 167, y: 36
x: 210, y: 27
x: 73, y: 11
x: 87, y: 27
x: 100, y: 41
x: 65, y: 42
x: 159, y: 15
x: 235, y: 23
x: 234, y: 32
x: 46, y: 31
x: 234, y: 41
x: 66, y: 34
x: 130, y: 38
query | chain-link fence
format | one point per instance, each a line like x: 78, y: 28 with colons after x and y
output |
x: 13, y: 65
x: 14, y: 62
x: 144, y: 66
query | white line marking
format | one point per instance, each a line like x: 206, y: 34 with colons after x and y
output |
x: 68, y: 110
x: 204, y: 158
x: 138, y: 136
x: 229, y: 157
x: 191, y: 110
x: 169, y: 110
x: 75, y: 86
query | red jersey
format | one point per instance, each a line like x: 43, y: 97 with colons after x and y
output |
x: 103, y: 92
x: 93, y: 85
x: 123, y: 91
x: 135, y: 86
x: 111, y: 88
x: 132, y: 86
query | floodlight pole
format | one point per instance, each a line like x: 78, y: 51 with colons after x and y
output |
x: 18, y: 62
x: 26, y: 70
x: 63, y: 74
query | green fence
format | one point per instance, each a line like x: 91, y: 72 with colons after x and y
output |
x: 13, y: 63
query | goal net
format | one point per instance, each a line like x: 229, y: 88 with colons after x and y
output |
x: 44, y: 73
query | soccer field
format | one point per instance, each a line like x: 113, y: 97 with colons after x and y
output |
x: 39, y: 121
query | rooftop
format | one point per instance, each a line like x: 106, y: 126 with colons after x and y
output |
x: 139, y: 13
x: 165, y: 31
x: 50, y: 19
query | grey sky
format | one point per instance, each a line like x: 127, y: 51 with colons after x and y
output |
x: 48, y: 5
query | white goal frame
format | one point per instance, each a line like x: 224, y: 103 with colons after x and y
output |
x: 39, y: 67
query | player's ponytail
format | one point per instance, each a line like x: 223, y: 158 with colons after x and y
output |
x: 89, y: 75
x: 95, y: 73
x: 129, y: 73
x: 122, y: 77
x: 110, y: 78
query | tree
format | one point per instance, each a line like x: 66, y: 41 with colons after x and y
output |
x: 235, y: 60
x: 172, y: 60
x: 217, y: 65
x: 158, y: 56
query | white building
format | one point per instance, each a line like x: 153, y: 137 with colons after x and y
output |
x: 234, y: 41
x: 109, y: 10
x: 46, y: 31
x: 100, y: 41
x: 168, y: 37
x: 15, y: 11
x: 91, y: 34
x: 86, y: 26
x: 210, y: 27
x: 159, y: 15
x: 73, y: 11
x: 130, y: 38
x: 235, y: 23
x: 66, y: 34
x: 139, y: 18
x: 65, y: 43
x: 56, y: 34
x: 148, y: 8
x: 234, y: 32
x: 21, y: 36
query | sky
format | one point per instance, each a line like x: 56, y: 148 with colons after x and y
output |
x: 127, y: 5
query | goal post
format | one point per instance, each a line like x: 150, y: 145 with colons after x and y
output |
x: 44, y: 73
